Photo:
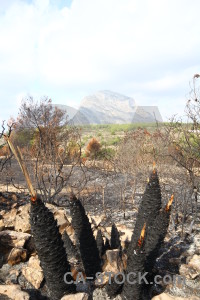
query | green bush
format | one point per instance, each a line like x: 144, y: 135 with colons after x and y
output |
x: 114, y: 141
x: 106, y: 153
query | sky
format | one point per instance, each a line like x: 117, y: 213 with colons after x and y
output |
x: 68, y: 49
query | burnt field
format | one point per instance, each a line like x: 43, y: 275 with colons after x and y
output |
x: 178, y: 254
x: 92, y: 210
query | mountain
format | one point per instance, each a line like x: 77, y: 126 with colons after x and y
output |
x: 70, y: 111
x: 147, y: 114
x: 74, y: 116
x: 106, y: 107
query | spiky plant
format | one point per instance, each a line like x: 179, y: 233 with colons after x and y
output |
x: 50, y: 249
x: 155, y: 236
x: 139, y: 253
x: 149, y: 207
x: 115, y: 239
x: 106, y: 245
x: 100, y: 243
x: 85, y: 240
x: 132, y: 288
x: 115, y: 287
x: 69, y: 246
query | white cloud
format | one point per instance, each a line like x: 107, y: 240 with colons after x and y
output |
x: 138, y: 47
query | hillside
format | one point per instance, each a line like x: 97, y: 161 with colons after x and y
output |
x: 106, y: 107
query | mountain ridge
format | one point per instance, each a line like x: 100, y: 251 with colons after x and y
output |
x: 107, y: 107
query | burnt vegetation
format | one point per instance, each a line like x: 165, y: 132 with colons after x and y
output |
x: 148, y: 236
x: 51, y: 151
x: 50, y: 248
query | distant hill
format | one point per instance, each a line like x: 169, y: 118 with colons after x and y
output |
x: 106, y: 107
x: 74, y: 116
x: 147, y: 114
x: 70, y: 111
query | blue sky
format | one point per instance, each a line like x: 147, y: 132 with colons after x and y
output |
x: 145, y: 49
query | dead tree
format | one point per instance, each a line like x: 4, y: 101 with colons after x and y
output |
x: 6, y: 159
x: 135, y: 155
x: 183, y: 141
x: 50, y: 146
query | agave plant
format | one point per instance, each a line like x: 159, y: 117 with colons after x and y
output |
x: 47, y: 238
x: 132, y: 288
x: 85, y: 240
x: 149, y: 233
x: 70, y: 248
x: 149, y: 207
x: 155, y: 236
x: 146, y: 240
x: 115, y: 240
x: 50, y: 249
x: 100, y: 243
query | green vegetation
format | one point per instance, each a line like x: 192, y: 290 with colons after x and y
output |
x: 110, y: 135
x: 113, y: 141
x: 113, y: 128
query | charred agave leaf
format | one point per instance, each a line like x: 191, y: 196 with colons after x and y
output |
x: 69, y: 247
x: 156, y: 235
x: 115, y: 240
x: 100, y: 243
x: 106, y: 246
x: 51, y: 252
x: 135, y: 266
x: 85, y: 238
x: 149, y: 206
x: 115, y: 287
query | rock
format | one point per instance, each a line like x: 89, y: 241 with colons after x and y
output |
x: 95, y: 220
x: 126, y: 233
x: 79, y: 296
x: 14, y: 292
x: 4, y: 273
x: 33, y: 272
x: 9, y: 238
x: 188, y: 272
x: 197, y: 244
x: 175, y: 260
x: 12, y: 277
x: 191, y: 251
x: 2, y: 225
x: 22, y: 223
x: 165, y: 296
x: 34, y: 263
x: 62, y: 220
x: 19, y: 218
x: 113, y: 261
x: 70, y: 231
x: 16, y: 256
x: 195, y: 263
x: 14, y: 197
x: 60, y: 216
x: 15, y: 246
x: 9, y: 218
